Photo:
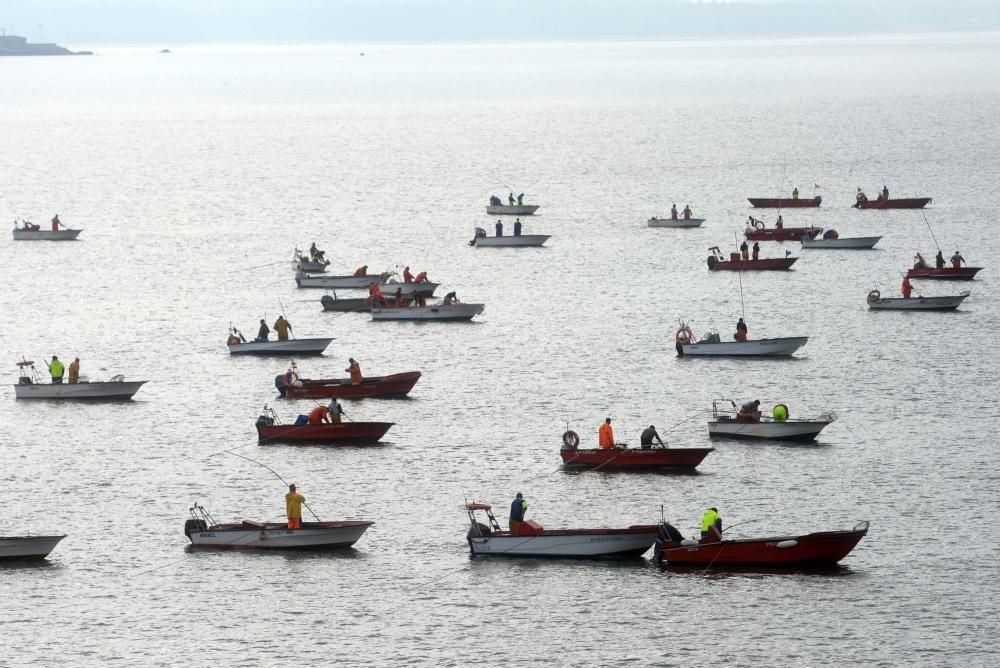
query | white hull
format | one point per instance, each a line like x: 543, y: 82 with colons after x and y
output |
x: 27, y: 547
x: 760, y: 348
x: 46, y: 235
x: 290, y: 347
x: 670, y: 222
x: 439, y: 312
x: 792, y: 430
x: 918, y: 303
x: 850, y: 242
x: 88, y: 390
x: 506, y: 210
x: 312, y: 267
x: 275, y: 538
x: 336, y: 282
x: 584, y: 544
x: 523, y: 240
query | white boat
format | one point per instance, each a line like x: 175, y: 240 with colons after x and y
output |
x: 306, y: 265
x: 840, y: 242
x: 203, y: 531
x: 238, y: 346
x: 437, y: 312
x: 21, y: 234
x: 30, y: 386
x: 511, y: 210
x: 674, y: 222
x: 534, y: 541
x: 345, y: 282
x: 512, y: 241
x: 947, y: 303
x: 25, y: 548
x: 761, y: 427
x: 712, y: 345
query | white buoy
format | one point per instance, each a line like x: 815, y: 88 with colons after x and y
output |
x: 785, y: 544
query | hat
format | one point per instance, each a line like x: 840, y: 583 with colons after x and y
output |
x: 291, y: 488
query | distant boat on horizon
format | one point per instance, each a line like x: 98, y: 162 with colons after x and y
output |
x: 13, y: 45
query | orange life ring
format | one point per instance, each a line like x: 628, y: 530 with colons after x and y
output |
x: 684, y: 336
x: 758, y: 224
x: 874, y: 296
x: 570, y: 439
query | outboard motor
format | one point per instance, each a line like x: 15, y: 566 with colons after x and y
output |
x: 479, y: 530
x: 194, y: 526
x: 711, y: 261
x: 265, y: 421
x: 279, y: 382
x: 667, y: 534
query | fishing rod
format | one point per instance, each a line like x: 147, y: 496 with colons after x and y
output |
x: 929, y: 229
x: 234, y: 454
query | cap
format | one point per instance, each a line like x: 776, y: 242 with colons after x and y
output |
x: 291, y: 488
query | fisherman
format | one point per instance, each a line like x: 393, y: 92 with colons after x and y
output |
x: 318, y: 415
x: 780, y: 413
x: 861, y: 196
x: 517, y: 227
x: 335, y: 411
x: 647, y: 436
x: 375, y: 296
x: 450, y: 298
x: 744, y: 250
x: 885, y: 192
x: 495, y: 201
x: 605, y: 435
x: 749, y: 411
x: 673, y: 212
x: 957, y: 260
x: 687, y: 212
x: 422, y: 278
x: 520, y: 199
x: 939, y: 260
x: 315, y: 254
x: 780, y: 224
x: 401, y: 299
x: 741, y: 330
x: 499, y: 228
x: 407, y: 276
x: 355, y: 370
x: 711, y: 526
x: 518, y: 508
x: 907, y: 288
x: 74, y: 371
x: 293, y: 507
x: 919, y: 262
x: 795, y: 193
x: 263, y: 332
x: 361, y: 271
x: 510, y: 199
x: 56, y: 370
x: 282, y: 327
x: 56, y: 223
x: 756, y: 250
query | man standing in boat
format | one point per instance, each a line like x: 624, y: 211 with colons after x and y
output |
x: 744, y: 250
x: 56, y: 370
x: 711, y: 526
x: 518, y: 508
x: 407, y: 276
x: 885, y: 193
x: 605, y: 435
x: 687, y: 212
x: 517, y: 227
x: 957, y: 260
x: 74, y: 371
x: 335, y: 411
x: 520, y: 199
x: 673, y: 212
x: 939, y: 259
x: 56, y: 223
x: 795, y: 193
x: 510, y: 199
x: 293, y: 507
x: 647, y: 436
x: 741, y: 330
x: 355, y: 370
x: 755, y: 252
x: 907, y: 288
x: 263, y: 332
x: 499, y: 228
x: 282, y: 327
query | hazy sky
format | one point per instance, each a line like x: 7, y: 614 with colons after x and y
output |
x: 73, y: 22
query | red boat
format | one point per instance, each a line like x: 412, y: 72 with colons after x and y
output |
x: 782, y: 203
x: 633, y: 459
x: 395, y: 385
x: 822, y: 549
x: 736, y: 263
x: 761, y: 233
x: 945, y: 273
x: 905, y: 203
x: 268, y: 429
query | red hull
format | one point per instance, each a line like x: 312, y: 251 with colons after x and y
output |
x: 816, y: 549
x: 781, y: 203
x: 356, y: 432
x: 773, y: 264
x: 945, y: 273
x: 652, y: 458
x: 910, y: 203
x: 395, y: 385
x: 783, y: 234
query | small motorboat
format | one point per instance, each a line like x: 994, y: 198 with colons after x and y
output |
x: 203, y: 531
x: 814, y: 550
x: 903, y: 203
x: 752, y: 425
x: 520, y: 240
x: 30, y: 385
x: 876, y: 302
x: 512, y: 209
x: 865, y: 243
x: 716, y: 262
x: 35, y: 233
x: 346, y: 304
x: 384, y: 281
x: 534, y: 541
x: 269, y: 428
x: 240, y: 346
x: 712, y: 345
x: 307, y: 265
x: 945, y: 273
x: 674, y: 222
x: 630, y: 459
x: 396, y: 385
x: 27, y: 548
x: 758, y: 231
x: 783, y: 202
x: 457, y: 312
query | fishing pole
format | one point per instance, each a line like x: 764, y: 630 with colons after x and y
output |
x: 929, y: 229
x: 234, y: 454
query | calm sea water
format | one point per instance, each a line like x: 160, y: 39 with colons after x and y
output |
x: 196, y: 174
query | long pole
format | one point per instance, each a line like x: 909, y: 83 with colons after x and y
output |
x: 930, y: 230
x: 234, y: 454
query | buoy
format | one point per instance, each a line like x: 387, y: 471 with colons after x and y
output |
x: 786, y: 544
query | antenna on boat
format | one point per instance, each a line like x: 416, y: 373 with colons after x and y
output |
x: 930, y: 230
x: 743, y: 309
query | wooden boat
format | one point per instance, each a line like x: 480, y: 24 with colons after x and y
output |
x: 512, y: 210
x: 439, y: 312
x: 535, y: 541
x: 521, y: 240
x: 394, y: 385
x: 903, y: 203
x: 30, y: 386
x: 814, y: 550
x: 736, y: 263
x: 761, y: 427
x: 674, y: 222
x: 759, y: 232
x: 865, y: 243
x: 712, y: 345
x: 947, y: 303
x: 945, y: 273
x: 27, y: 548
x: 238, y: 346
x: 784, y: 203
x: 269, y: 429
x: 203, y: 531
x: 632, y: 459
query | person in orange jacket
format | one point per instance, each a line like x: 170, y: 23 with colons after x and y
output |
x: 422, y: 277
x: 355, y: 370
x: 407, y: 276
x: 605, y: 435
x: 361, y: 271
x: 907, y: 288
x: 318, y: 415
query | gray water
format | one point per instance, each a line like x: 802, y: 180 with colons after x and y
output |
x: 196, y: 174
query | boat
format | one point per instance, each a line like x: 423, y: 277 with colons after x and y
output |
x: 385, y: 283
x: 482, y: 240
x: 753, y: 425
x: 813, y: 550
x: 535, y: 541
x: 783, y: 203
x: 305, y: 265
x: 674, y: 222
x: 392, y: 386
x: 632, y: 459
x: 903, y: 203
x: 269, y: 428
x: 239, y: 346
x: 876, y: 302
x: 32, y: 232
x: 758, y: 231
x: 438, y: 312
x: 945, y: 273
x: 712, y: 345
x: 737, y: 263
x: 512, y: 209
x: 866, y: 243
x: 203, y: 531
x: 27, y: 548
x: 346, y: 304
x: 30, y: 386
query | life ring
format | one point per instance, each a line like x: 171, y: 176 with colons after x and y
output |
x: 291, y: 377
x: 758, y: 224
x: 684, y: 336
x: 874, y: 296
x: 570, y: 439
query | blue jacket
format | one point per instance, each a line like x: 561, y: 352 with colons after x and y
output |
x: 517, y: 509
